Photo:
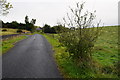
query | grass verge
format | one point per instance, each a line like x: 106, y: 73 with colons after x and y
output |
x: 105, y: 56
x: 66, y: 66
x: 9, y: 43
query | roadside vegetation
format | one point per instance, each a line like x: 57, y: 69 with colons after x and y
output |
x: 84, y: 50
x: 81, y: 50
x: 9, y: 43
x: 104, y: 56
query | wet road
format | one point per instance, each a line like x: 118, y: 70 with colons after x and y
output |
x: 30, y: 58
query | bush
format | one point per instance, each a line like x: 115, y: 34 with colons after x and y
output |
x: 46, y: 28
x: 80, y: 39
x: 19, y: 31
x: 4, y: 30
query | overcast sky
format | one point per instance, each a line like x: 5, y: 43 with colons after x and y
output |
x: 52, y: 11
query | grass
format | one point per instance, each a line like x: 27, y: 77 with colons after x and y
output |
x: 66, y: 66
x: 9, y: 43
x: 9, y: 31
x: 106, y: 51
x: 105, y: 56
x: 59, y: 50
x: 106, y: 47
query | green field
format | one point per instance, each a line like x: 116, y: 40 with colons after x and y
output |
x: 9, y: 31
x: 106, y: 51
x: 105, y: 56
x: 106, y: 47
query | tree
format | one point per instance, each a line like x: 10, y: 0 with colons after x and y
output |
x: 22, y: 26
x: 46, y: 28
x: 15, y: 25
x: 26, y: 19
x: 80, y: 39
x: 33, y: 21
x: 60, y: 28
x: 5, y: 7
x: 52, y: 30
x: 30, y: 25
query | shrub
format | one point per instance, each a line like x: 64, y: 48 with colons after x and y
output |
x: 4, y: 30
x: 80, y: 39
x: 46, y: 28
x: 19, y: 31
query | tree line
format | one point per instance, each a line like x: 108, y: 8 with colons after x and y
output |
x: 54, y: 29
x: 28, y: 25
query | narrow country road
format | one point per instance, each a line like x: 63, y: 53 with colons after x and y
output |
x: 30, y: 58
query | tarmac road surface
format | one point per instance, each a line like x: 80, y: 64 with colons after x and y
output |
x: 30, y: 58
